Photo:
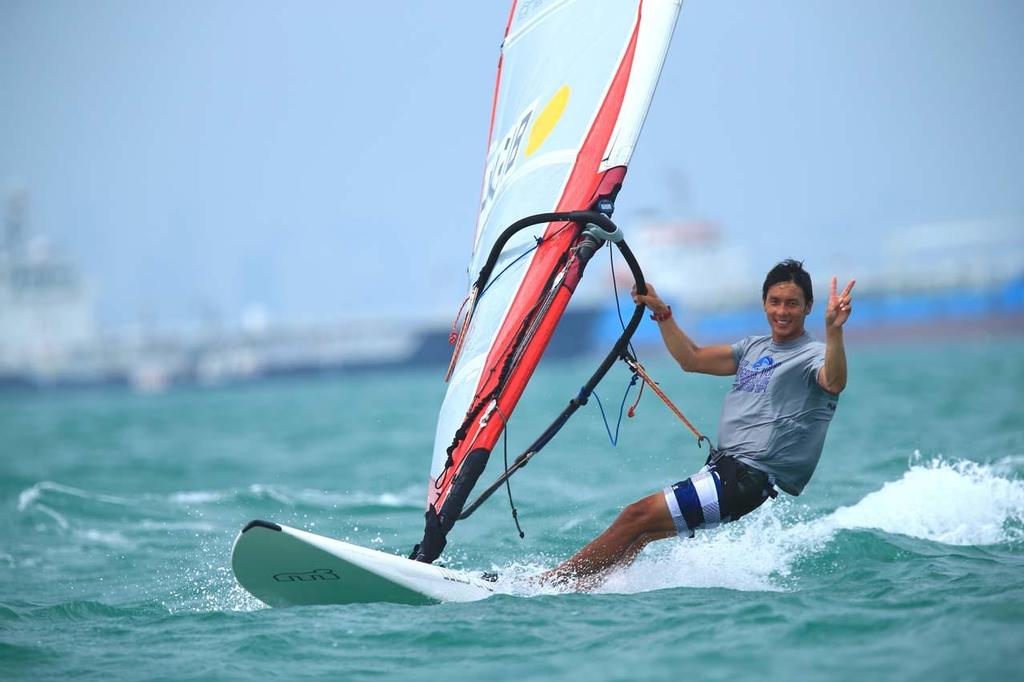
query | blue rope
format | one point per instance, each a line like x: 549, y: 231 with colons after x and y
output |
x: 622, y: 408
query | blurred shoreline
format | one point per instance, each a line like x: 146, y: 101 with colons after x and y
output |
x: 157, y: 363
x: 927, y: 283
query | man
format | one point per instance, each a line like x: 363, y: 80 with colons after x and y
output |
x: 772, y: 427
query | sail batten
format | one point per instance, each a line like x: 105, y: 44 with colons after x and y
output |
x: 574, y: 82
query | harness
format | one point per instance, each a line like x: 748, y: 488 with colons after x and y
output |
x: 744, y: 488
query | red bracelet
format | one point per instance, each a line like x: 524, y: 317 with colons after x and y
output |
x: 661, y: 317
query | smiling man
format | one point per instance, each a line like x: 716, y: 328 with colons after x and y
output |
x: 772, y: 428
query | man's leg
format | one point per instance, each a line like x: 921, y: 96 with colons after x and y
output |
x: 640, y: 523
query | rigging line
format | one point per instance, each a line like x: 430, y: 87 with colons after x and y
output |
x: 524, y: 254
x: 544, y: 305
x: 454, y: 335
x: 632, y: 351
x: 539, y: 240
x: 507, y: 351
x: 618, y: 352
x: 568, y: 219
x: 535, y: 317
x: 483, y: 282
x: 514, y: 347
x: 512, y: 357
x: 508, y: 484
x: 639, y: 369
x: 615, y: 439
x: 632, y: 408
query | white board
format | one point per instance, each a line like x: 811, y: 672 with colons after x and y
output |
x: 284, y: 566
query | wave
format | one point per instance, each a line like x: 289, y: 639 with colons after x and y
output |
x: 76, y: 610
x: 45, y: 495
x: 952, y: 503
x: 306, y: 497
x: 938, y: 503
x: 57, y: 502
x: 25, y: 654
x: 30, y: 496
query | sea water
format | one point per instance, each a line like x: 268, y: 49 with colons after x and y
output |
x: 903, y: 559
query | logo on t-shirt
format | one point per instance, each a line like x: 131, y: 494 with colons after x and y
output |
x: 754, y: 378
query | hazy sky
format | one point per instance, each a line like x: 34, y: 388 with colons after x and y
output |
x: 323, y: 159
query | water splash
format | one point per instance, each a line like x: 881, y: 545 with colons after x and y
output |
x: 955, y: 503
x: 208, y: 588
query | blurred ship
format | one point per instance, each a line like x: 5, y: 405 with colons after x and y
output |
x: 50, y: 337
x: 47, y: 319
x: 930, y: 281
x: 933, y: 280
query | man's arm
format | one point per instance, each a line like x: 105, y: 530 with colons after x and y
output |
x: 832, y: 376
x: 716, y: 360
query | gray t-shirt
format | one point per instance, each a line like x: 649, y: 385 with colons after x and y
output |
x: 776, y: 414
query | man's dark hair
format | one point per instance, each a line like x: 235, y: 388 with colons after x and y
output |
x: 789, y: 270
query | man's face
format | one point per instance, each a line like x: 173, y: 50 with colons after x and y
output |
x: 786, y: 309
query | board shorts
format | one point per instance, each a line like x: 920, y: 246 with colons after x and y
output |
x: 724, y: 490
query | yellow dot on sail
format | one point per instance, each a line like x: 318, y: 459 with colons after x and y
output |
x: 545, y: 123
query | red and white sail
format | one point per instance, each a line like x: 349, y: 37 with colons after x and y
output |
x: 575, y: 79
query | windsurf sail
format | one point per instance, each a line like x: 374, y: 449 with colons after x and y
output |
x: 574, y: 83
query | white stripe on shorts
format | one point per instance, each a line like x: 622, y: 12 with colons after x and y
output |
x: 707, y: 492
x: 677, y: 513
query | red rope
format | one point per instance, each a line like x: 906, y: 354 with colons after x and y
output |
x: 454, y: 336
x: 638, y: 368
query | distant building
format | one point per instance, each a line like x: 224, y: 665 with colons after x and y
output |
x: 47, y: 310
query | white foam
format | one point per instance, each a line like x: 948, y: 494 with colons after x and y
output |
x: 410, y: 497
x: 754, y: 555
x: 109, y: 538
x: 31, y: 495
x: 272, y: 493
x: 190, y: 497
x: 958, y: 503
x: 954, y: 503
x: 167, y: 526
x: 289, y: 498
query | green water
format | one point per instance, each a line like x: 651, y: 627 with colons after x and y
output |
x: 903, y: 559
